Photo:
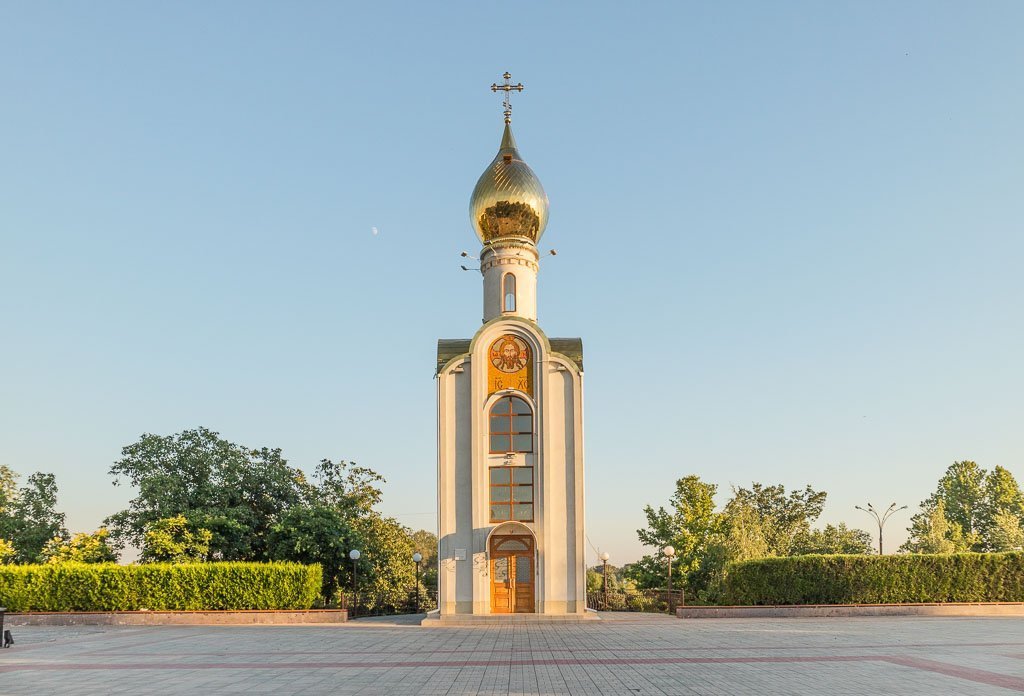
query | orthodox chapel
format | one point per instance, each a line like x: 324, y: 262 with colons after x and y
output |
x: 510, y: 421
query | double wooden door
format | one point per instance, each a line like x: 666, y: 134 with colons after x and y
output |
x: 512, y: 575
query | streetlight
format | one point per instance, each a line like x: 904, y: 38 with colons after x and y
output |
x: 669, y: 553
x: 880, y: 518
x: 604, y: 560
x: 354, y: 555
x: 416, y: 558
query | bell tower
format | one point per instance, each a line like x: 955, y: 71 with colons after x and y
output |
x: 510, y: 422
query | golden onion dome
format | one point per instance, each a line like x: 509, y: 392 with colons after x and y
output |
x: 508, y: 200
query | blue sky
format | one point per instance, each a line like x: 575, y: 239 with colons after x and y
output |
x: 790, y: 235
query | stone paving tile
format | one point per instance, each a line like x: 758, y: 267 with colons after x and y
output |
x: 622, y: 654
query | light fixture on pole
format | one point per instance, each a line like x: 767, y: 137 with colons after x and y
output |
x: 354, y: 555
x: 604, y: 560
x: 880, y: 518
x: 669, y: 552
x: 416, y: 558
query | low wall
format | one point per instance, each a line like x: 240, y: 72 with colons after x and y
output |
x: 176, y: 618
x: 837, y: 610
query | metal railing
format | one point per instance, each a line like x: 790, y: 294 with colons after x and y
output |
x: 636, y: 600
x: 388, y: 603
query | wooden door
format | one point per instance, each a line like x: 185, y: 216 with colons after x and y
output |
x: 501, y: 585
x: 512, y: 575
x: 522, y: 579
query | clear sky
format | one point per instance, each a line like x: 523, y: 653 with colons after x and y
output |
x: 790, y: 235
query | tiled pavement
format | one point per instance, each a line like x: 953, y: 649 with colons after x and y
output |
x: 622, y: 654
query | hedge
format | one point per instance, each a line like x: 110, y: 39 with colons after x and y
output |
x: 960, y: 577
x: 158, y: 586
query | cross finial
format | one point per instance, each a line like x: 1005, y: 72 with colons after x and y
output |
x: 507, y: 88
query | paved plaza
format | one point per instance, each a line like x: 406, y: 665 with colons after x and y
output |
x: 622, y: 654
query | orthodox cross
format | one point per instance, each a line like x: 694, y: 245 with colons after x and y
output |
x: 507, y: 88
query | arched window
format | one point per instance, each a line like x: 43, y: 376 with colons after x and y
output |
x: 511, y: 425
x: 508, y: 292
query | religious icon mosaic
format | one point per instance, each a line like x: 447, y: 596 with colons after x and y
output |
x: 509, y: 365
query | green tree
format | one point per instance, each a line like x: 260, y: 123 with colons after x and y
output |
x: 1003, y: 500
x: 7, y: 551
x: 425, y: 543
x: 977, y: 506
x: 688, y: 526
x: 833, y: 539
x: 931, y: 531
x: 321, y: 527
x: 1006, y: 532
x: 80, y: 548
x: 387, y: 577
x: 29, y: 517
x: 236, y: 492
x: 175, y: 540
x: 783, y: 518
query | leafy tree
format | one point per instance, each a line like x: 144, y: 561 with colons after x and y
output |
x: 931, y: 531
x: 1002, y: 501
x: 80, y: 548
x: 1006, y: 532
x: 977, y: 507
x: 687, y: 526
x: 386, y: 571
x: 782, y: 518
x: 7, y: 551
x: 426, y: 544
x: 962, y: 490
x: 833, y: 539
x: 29, y: 517
x: 175, y: 540
x: 235, y: 492
x: 321, y: 527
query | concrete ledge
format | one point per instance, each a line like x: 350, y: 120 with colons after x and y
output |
x: 176, y: 618
x: 827, y: 610
x: 435, y: 619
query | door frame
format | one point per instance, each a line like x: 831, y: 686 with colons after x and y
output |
x: 493, y: 554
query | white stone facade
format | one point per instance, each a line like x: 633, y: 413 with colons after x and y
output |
x: 464, y: 400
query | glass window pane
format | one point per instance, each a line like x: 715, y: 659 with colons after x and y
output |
x: 520, y: 424
x: 499, y: 424
x: 513, y: 545
x: 520, y: 494
x: 501, y: 406
x: 520, y: 407
x: 501, y: 494
x: 500, y: 513
x: 500, y: 443
x: 524, y: 511
x: 501, y: 569
x: 523, y: 573
x: 500, y: 474
x: 521, y: 443
x: 522, y: 474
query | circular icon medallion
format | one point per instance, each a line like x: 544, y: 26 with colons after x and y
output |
x: 509, y: 353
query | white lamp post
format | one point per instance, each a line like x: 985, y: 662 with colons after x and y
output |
x: 669, y: 552
x: 416, y: 558
x: 354, y: 555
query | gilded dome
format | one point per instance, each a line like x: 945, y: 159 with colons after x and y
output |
x: 508, y: 200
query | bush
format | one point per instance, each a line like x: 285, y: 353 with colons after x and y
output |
x: 158, y: 586
x: 959, y: 577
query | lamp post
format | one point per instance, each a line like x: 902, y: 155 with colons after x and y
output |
x: 880, y: 518
x: 416, y: 558
x: 604, y: 560
x: 669, y: 553
x: 354, y: 555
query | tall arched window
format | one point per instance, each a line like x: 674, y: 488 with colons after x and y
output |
x: 511, y: 425
x: 508, y: 292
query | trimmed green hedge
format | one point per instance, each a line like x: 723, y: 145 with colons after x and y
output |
x: 959, y: 577
x: 158, y: 586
